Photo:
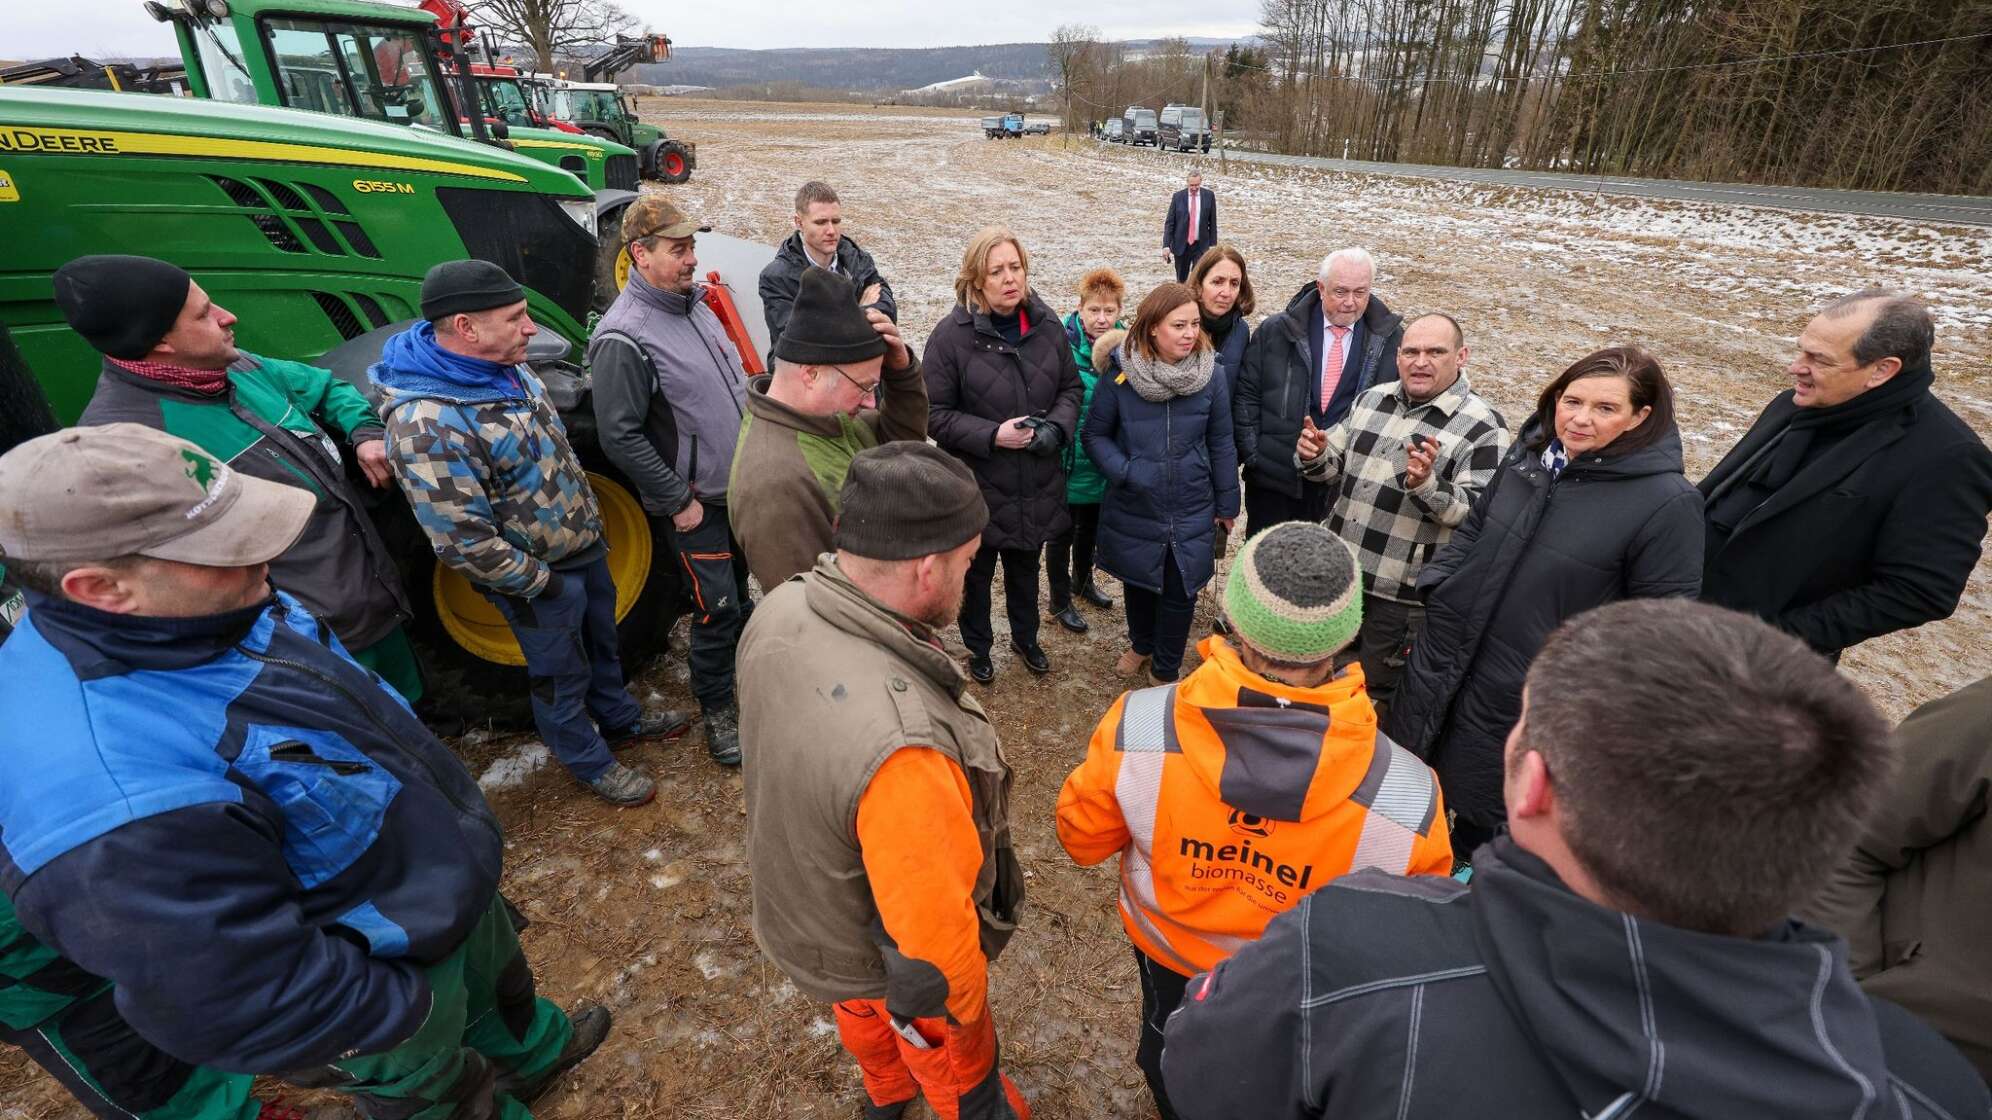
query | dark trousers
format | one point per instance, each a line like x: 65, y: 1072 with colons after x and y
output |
x: 95, y: 1054
x: 1161, y: 992
x: 1384, y: 644
x: 1158, y: 623
x: 570, y: 645
x: 1069, y: 558
x: 1020, y: 583
x: 1267, y: 506
x: 1184, y: 263
x: 716, y: 576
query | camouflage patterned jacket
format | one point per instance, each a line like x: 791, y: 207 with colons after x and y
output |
x: 485, y: 462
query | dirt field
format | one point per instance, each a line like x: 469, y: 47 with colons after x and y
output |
x: 646, y: 910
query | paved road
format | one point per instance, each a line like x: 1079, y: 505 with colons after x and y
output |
x: 1941, y: 209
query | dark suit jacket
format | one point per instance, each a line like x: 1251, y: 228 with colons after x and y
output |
x: 1176, y: 228
x: 1877, y: 534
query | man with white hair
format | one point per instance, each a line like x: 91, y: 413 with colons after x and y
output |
x: 1308, y: 362
x: 843, y: 382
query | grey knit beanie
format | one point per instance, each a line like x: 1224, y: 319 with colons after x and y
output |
x: 1295, y: 593
x: 907, y: 499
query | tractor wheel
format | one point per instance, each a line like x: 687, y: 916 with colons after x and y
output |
x: 673, y: 164
x: 601, y: 133
x: 471, y: 665
x: 609, y: 276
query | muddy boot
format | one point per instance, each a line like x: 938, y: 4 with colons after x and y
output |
x: 722, y: 732
x: 623, y: 786
x: 655, y: 723
x: 591, y: 1027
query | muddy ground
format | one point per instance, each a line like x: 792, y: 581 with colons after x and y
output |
x: 646, y: 910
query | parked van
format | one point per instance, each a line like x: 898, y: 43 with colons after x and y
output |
x: 1183, y: 129
x: 1139, y: 125
x: 1114, y: 131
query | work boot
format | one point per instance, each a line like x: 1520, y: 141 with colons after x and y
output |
x: 1069, y: 617
x: 1091, y: 592
x: 662, y: 723
x: 591, y: 1026
x: 722, y: 732
x: 1131, y: 663
x: 621, y: 785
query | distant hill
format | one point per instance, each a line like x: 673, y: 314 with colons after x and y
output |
x: 858, y: 68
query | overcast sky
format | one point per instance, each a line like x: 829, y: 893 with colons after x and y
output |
x: 41, y: 28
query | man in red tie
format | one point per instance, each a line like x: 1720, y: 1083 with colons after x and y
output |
x: 1191, y: 226
x: 1334, y: 340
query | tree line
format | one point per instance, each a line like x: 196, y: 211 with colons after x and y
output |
x: 1866, y: 94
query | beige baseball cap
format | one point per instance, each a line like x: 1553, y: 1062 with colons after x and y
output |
x: 653, y: 215
x: 97, y: 493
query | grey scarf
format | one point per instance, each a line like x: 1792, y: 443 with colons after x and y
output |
x: 1157, y: 381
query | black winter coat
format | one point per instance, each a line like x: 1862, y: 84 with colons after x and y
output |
x: 1878, y: 533
x: 1533, y: 553
x: 1415, y: 997
x: 1276, y: 386
x: 783, y: 275
x: 975, y: 381
x: 1171, y: 473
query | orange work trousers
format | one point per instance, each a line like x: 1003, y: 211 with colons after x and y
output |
x: 952, y: 1071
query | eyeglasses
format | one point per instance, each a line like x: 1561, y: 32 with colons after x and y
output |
x: 862, y: 388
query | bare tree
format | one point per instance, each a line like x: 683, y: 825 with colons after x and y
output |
x: 552, y: 27
x: 1074, y: 54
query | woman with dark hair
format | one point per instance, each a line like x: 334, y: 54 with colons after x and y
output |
x: 1003, y: 396
x: 1160, y: 432
x: 1589, y: 507
x: 1224, y: 300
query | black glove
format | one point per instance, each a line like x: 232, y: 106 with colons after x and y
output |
x: 1046, y: 439
x: 555, y: 584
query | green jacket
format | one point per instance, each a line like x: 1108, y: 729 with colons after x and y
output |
x: 273, y: 424
x: 36, y: 983
x: 1084, y: 484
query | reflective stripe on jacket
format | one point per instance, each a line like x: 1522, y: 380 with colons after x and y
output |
x: 1230, y: 796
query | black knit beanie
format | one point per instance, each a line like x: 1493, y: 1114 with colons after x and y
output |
x: 461, y: 287
x: 826, y: 326
x: 907, y: 499
x: 121, y: 305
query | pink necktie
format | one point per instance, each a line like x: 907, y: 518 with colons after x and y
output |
x: 1193, y: 217
x: 1331, y: 373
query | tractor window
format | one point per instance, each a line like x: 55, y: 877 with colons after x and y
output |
x: 505, y: 101
x: 376, y: 73
x: 220, y: 60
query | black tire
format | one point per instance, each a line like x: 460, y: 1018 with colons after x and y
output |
x: 601, y: 133
x: 608, y: 247
x: 674, y: 163
x: 24, y: 410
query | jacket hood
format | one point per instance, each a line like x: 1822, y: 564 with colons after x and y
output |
x: 1269, y: 734
x: 1631, y: 1013
x: 413, y: 366
x: 1303, y: 300
x: 1662, y: 456
x: 842, y: 604
x: 765, y: 407
x: 1377, y: 317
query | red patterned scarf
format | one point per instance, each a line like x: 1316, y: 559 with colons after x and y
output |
x: 212, y: 382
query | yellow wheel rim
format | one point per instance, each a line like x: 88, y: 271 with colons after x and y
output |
x: 477, y: 626
x: 623, y: 265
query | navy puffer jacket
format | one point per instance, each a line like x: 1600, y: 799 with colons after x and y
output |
x: 1172, y: 471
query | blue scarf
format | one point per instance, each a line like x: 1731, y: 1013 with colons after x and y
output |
x: 1554, y: 457
x: 414, y: 364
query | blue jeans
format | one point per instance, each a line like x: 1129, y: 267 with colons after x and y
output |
x: 570, y: 647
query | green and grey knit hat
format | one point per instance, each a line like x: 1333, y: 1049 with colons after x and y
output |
x: 1295, y: 593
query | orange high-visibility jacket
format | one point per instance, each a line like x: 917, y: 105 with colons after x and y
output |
x: 1230, y: 796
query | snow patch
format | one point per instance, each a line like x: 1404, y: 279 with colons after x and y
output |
x: 513, y: 769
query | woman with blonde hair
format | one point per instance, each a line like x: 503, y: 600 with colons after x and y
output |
x: 1160, y: 431
x: 1003, y: 396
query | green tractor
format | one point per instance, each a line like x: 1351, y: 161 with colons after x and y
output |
x: 316, y: 231
x: 382, y: 62
x: 602, y: 109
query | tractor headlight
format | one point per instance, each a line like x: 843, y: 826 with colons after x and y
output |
x: 582, y: 210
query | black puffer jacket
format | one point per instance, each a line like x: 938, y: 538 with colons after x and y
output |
x: 1276, y: 387
x: 975, y: 381
x: 1533, y: 553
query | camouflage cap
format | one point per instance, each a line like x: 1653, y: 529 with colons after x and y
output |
x: 653, y: 215
x: 99, y: 493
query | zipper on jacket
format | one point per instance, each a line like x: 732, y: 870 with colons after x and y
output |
x: 1169, y: 457
x: 292, y: 751
x: 435, y: 779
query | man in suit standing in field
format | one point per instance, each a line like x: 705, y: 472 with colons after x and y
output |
x: 1191, y: 226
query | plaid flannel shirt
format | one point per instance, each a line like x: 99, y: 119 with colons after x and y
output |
x: 1394, y: 531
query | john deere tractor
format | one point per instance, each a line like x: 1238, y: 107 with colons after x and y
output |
x: 381, y: 62
x: 316, y: 230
